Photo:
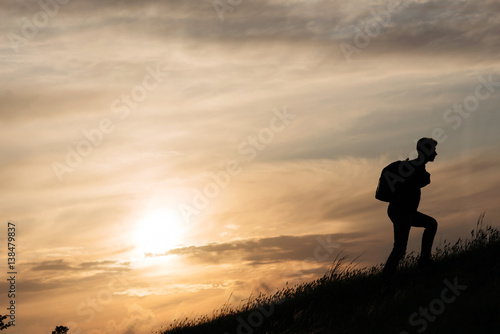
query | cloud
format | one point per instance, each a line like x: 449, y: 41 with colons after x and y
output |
x: 52, y: 265
x: 265, y: 250
x: 59, y: 275
x: 62, y: 265
x: 431, y: 27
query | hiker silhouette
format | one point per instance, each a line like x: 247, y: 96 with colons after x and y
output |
x: 405, y: 179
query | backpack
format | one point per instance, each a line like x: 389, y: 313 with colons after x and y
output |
x: 389, y: 182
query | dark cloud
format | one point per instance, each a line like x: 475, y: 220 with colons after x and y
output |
x: 63, y: 265
x: 268, y: 250
x: 440, y: 27
x: 52, y: 265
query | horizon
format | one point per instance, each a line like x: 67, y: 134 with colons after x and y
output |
x: 161, y: 158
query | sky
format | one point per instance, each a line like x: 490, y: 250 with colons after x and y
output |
x: 162, y: 158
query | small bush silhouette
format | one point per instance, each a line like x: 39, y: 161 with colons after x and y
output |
x: 60, y: 330
x: 2, y: 325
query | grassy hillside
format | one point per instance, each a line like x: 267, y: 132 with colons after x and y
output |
x: 459, y: 294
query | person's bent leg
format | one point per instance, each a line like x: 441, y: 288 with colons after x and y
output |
x: 430, y: 225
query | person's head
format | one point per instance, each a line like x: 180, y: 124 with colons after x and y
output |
x: 426, y: 148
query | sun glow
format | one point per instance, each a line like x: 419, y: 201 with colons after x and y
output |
x: 159, y: 231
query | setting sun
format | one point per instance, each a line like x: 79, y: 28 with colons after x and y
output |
x: 159, y: 231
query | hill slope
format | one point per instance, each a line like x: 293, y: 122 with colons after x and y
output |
x: 459, y: 294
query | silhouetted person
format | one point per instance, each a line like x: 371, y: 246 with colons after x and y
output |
x: 410, y: 177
